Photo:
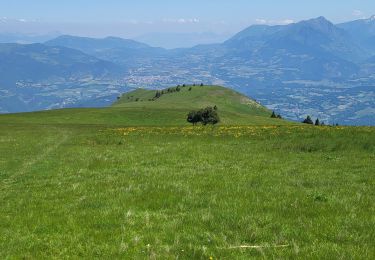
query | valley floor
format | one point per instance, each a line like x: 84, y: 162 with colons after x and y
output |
x: 186, y: 192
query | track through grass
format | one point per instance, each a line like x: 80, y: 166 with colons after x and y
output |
x: 186, y: 192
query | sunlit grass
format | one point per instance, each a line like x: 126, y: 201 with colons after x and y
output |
x: 187, y: 192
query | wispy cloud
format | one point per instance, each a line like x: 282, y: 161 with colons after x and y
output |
x: 357, y: 13
x: 15, y: 20
x: 261, y: 21
x: 182, y: 20
x: 274, y: 22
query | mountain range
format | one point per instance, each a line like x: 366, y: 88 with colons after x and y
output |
x: 311, y: 67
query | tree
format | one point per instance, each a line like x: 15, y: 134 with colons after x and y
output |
x: 209, y: 116
x: 273, y: 115
x: 215, y: 108
x: 178, y: 89
x: 317, y: 122
x: 279, y: 117
x: 194, y: 117
x: 190, y: 89
x: 205, y: 116
x: 308, y: 120
x: 202, y: 85
x: 184, y: 85
x: 157, y: 95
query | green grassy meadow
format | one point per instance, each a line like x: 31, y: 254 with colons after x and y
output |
x: 169, y: 110
x: 104, y: 183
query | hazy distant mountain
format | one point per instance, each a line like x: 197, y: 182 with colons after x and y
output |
x: 312, y: 49
x: 315, y: 35
x: 363, y: 31
x: 26, y: 38
x: 93, y: 45
x: 181, y: 40
x: 36, y: 76
x: 36, y: 62
x: 113, y: 49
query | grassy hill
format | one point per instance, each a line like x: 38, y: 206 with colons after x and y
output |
x: 135, y: 181
x: 136, y: 109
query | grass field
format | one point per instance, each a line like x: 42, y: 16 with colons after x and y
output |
x: 74, y: 187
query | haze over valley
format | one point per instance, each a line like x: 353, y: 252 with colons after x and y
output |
x: 310, y: 67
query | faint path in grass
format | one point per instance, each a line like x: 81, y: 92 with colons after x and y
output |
x: 51, y: 146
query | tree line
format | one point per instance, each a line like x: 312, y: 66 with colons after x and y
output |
x: 278, y: 116
x: 159, y: 93
x: 308, y: 120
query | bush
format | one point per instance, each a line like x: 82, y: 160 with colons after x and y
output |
x: 205, y: 116
x: 210, y: 116
x: 194, y: 117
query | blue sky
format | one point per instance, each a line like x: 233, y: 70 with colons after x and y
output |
x: 132, y: 17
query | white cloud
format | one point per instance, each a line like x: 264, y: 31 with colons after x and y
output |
x: 287, y: 21
x: 261, y: 21
x: 274, y: 22
x: 182, y: 20
x: 137, y: 22
x: 357, y: 13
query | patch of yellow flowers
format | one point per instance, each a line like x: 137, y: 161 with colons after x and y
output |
x: 236, y: 131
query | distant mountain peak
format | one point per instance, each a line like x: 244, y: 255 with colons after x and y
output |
x: 319, y: 20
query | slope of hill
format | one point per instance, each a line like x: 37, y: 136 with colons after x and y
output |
x: 135, y: 108
x: 234, y: 108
